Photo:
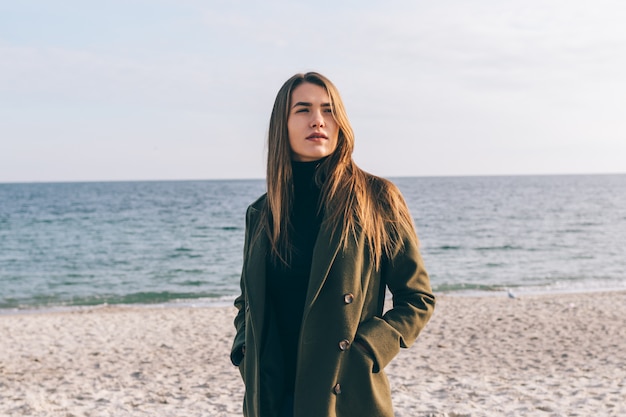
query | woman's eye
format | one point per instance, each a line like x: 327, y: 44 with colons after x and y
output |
x: 303, y: 110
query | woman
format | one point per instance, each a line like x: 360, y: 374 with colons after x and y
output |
x: 321, y: 247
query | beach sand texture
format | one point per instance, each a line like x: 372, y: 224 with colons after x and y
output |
x: 541, y: 355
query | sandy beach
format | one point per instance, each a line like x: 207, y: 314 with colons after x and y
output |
x: 541, y: 355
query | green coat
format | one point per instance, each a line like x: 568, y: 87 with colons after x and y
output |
x: 344, y: 302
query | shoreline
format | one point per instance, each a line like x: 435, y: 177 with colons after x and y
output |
x: 224, y: 301
x: 549, y: 355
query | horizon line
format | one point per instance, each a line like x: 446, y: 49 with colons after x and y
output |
x: 263, y: 179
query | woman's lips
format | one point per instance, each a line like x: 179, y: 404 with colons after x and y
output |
x: 317, y: 135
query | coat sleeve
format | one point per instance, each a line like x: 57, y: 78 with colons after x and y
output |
x: 237, y: 350
x: 413, y: 303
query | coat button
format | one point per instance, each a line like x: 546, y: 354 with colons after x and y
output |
x: 348, y: 298
x: 344, y: 344
x: 337, y: 389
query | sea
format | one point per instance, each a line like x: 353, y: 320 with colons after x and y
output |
x: 65, y: 245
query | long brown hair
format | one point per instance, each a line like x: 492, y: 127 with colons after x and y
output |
x: 352, y: 199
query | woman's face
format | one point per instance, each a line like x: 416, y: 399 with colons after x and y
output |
x: 313, y: 131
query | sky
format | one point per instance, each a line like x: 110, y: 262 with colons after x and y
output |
x: 183, y: 89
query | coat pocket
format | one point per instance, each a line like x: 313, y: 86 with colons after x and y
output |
x: 363, y: 392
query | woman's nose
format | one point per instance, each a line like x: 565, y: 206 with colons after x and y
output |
x: 317, y: 120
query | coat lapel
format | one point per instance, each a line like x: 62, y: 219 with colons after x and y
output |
x: 256, y: 273
x: 325, y: 251
x: 324, y: 254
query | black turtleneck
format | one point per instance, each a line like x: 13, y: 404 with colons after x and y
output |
x: 287, y: 284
